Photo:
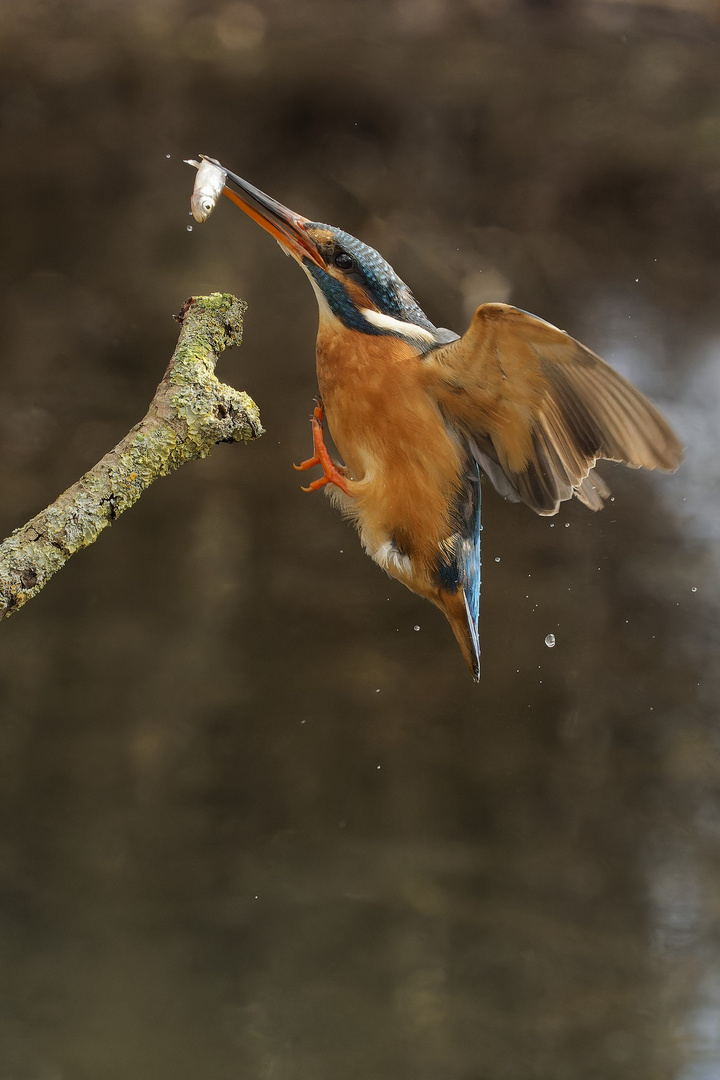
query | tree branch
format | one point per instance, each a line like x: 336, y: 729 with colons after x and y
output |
x: 190, y: 413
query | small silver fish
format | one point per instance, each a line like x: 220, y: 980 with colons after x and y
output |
x: 209, y: 182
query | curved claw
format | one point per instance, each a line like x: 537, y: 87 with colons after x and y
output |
x: 322, y: 457
x: 317, y: 484
x: 305, y: 465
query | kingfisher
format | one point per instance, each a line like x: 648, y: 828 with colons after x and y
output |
x: 420, y: 415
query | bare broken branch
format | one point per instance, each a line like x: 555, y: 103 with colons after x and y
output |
x: 190, y: 413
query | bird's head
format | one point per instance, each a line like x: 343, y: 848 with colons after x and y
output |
x: 353, y: 283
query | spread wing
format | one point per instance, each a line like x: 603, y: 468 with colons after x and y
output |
x: 538, y: 409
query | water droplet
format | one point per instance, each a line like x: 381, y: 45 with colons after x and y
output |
x: 379, y: 766
x: 167, y: 155
x: 550, y: 641
x: 552, y: 524
x: 694, y: 588
x: 567, y: 524
x: 416, y: 627
x: 497, y: 558
x: 189, y: 228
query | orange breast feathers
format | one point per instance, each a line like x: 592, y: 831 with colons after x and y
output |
x: 404, y: 463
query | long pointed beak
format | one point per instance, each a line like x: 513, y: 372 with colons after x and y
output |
x: 285, y: 225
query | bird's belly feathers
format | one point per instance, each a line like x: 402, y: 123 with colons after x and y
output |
x: 404, y: 463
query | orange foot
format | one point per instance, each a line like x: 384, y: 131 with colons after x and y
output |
x: 322, y: 457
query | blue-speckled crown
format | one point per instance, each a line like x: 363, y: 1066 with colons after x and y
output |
x: 390, y: 293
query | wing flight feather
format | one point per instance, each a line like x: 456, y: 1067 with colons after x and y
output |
x: 538, y: 409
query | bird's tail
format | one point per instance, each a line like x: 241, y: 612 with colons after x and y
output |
x: 464, y: 627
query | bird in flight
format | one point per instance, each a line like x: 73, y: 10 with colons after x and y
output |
x: 421, y: 414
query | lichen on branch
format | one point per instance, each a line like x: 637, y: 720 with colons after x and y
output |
x: 191, y: 412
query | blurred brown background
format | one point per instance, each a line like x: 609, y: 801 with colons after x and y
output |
x: 253, y: 823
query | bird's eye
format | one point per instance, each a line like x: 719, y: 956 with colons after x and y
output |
x: 343, y: 261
